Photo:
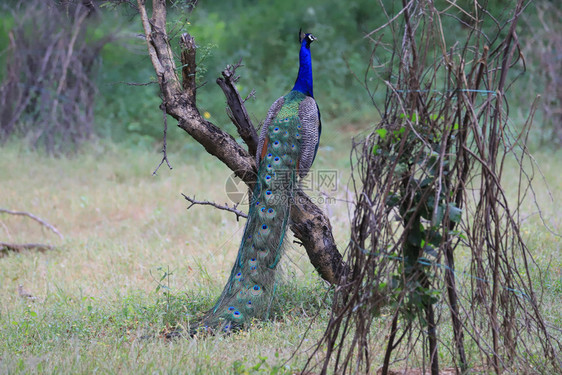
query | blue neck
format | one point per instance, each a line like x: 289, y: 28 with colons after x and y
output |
x: 304, y: 79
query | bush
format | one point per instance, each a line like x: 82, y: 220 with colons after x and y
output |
x: 47, y: 94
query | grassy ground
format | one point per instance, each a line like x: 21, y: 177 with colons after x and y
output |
x: 133, y: 260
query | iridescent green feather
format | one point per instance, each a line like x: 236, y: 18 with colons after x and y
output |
x: 251, y: 285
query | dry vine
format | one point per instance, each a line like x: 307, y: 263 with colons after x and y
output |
x: 428, y: 185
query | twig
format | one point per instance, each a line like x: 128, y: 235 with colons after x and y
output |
x: 234, y: 210
x: 388, y: 22
x: 164, y: 153
x: 39, y: 220
x: 252, y: 94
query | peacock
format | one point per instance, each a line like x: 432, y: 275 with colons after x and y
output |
x: 287, y: 146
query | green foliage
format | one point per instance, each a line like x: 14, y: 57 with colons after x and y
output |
x: 264, y: 35
x: 424, y: 206
x: 261, y: 367
x: 541, y: 48
x: 7, y: 22
x: 128, y: 113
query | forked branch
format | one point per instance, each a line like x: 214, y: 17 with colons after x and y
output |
x: 224, y: 207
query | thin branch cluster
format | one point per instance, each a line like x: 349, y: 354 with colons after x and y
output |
x: 48, y: 90
x: 441, y: 274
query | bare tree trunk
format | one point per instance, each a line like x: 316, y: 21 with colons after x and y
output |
x: 309, y: 223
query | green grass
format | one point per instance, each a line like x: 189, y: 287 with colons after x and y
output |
x: 98, y: 305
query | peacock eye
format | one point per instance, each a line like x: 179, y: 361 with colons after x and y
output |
x: 256, y: 287
x: 264, y: 227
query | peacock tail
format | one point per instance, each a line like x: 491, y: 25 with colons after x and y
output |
x: 287, y: 146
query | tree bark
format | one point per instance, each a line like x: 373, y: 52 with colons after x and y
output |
x: 309, y: 223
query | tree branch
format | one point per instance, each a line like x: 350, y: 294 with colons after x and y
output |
x: 189, y: 68
x: 236, y: 109
x: 181, y: 105
x: 309, y: 223
x: 164, y: 143
x: 234, y: 210
x: 37, y: 219
x: 312, y: 227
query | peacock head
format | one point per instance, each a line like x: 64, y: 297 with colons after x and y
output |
x: 307, y: 38
x: 304, y: 78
